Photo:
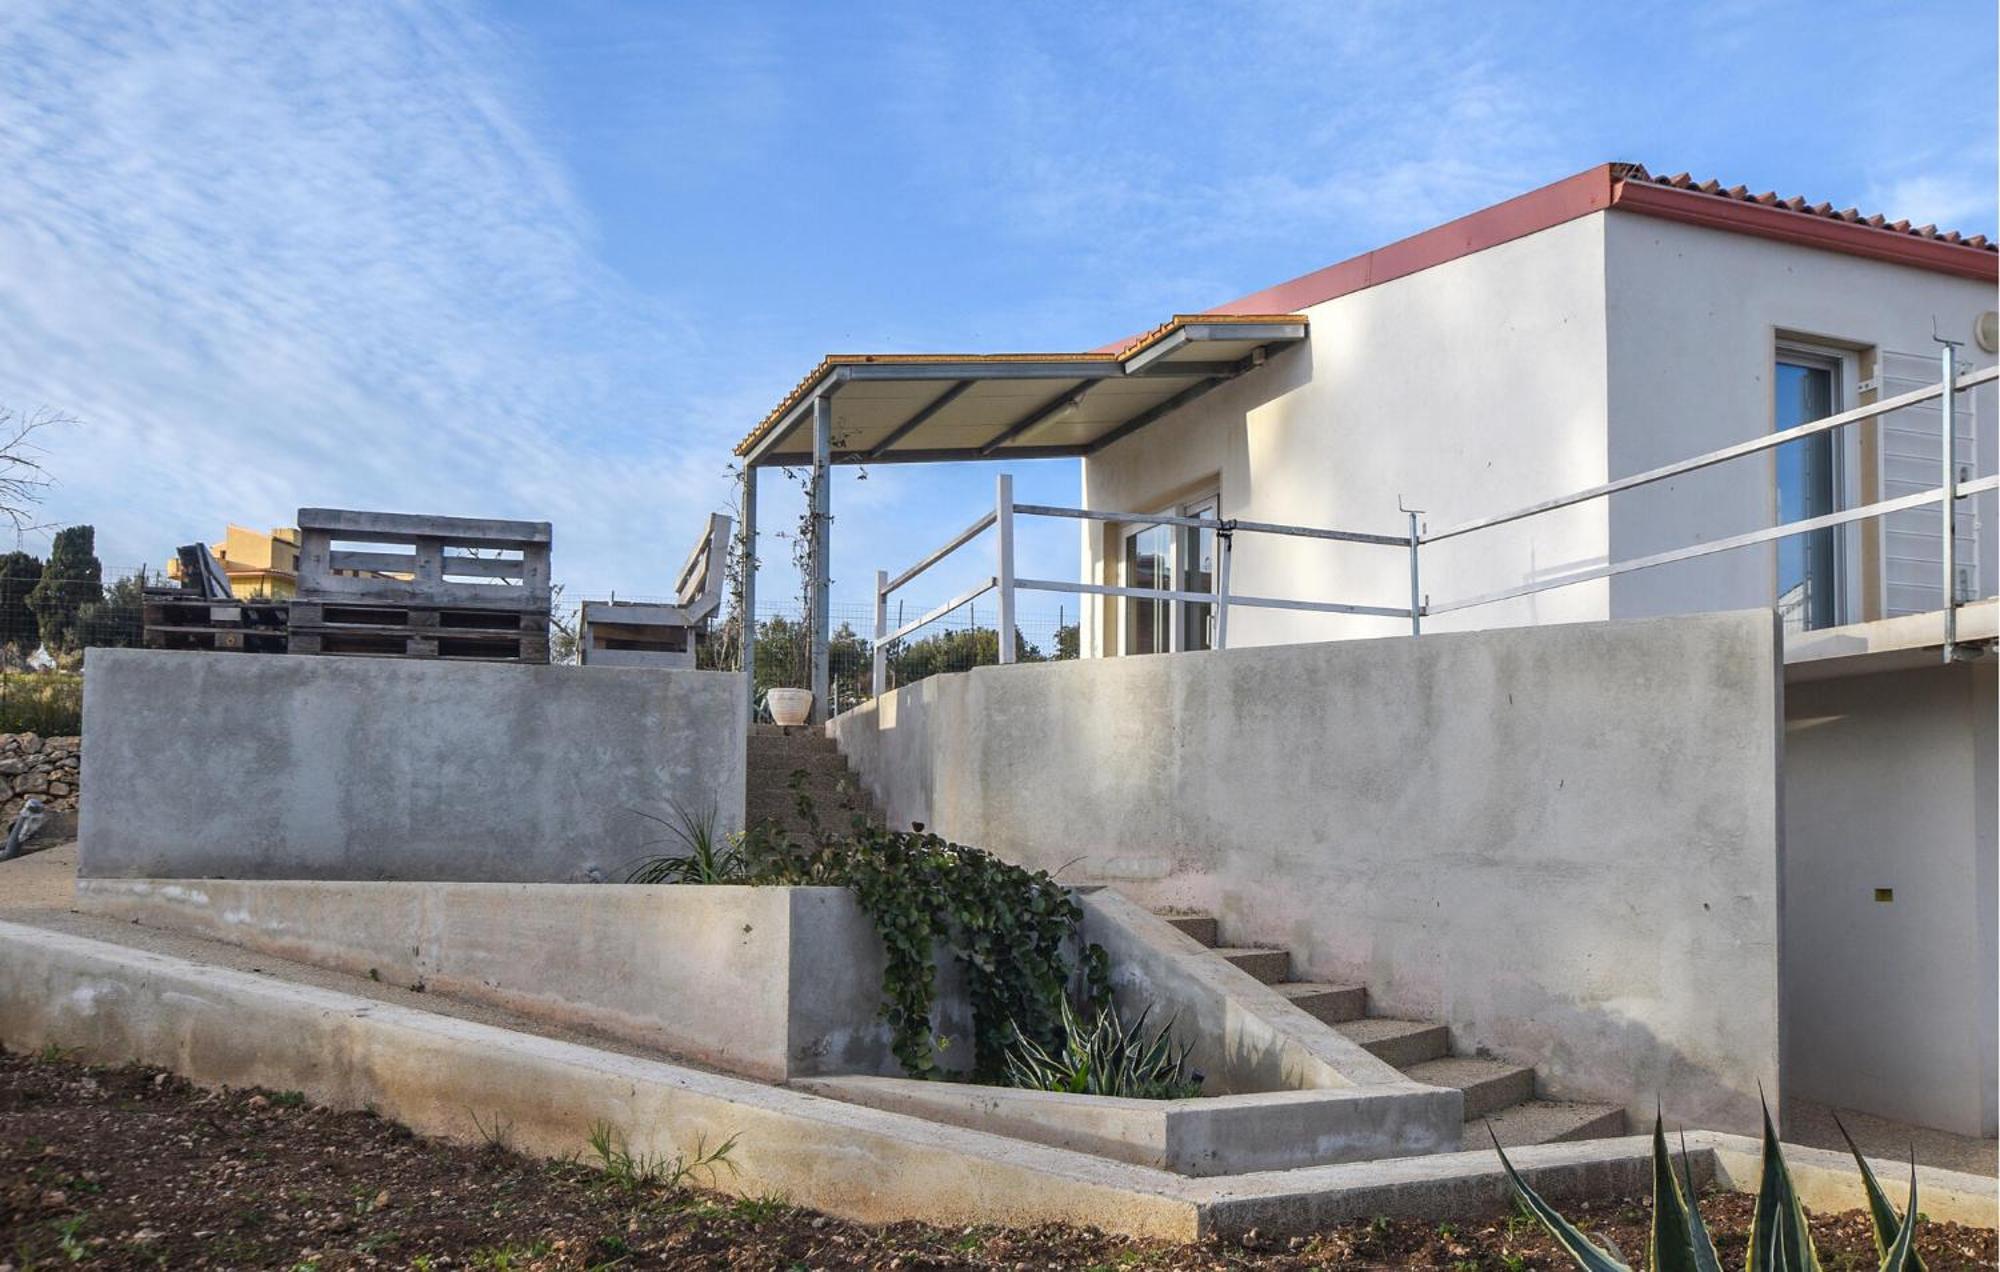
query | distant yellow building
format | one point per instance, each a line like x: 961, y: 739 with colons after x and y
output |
x: 257, y: 564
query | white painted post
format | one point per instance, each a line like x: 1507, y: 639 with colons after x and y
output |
x: 747, y: 620
x: 1003, y: 522
x: 1948, y: 486
x: 880, y: 680
x: 822, y: 556
x: 1224, y: 545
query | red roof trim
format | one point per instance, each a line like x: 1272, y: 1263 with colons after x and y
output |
x: 1626, y: 187
x: 1518, y: 217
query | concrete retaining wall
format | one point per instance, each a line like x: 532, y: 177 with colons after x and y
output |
x: 1890, y: 905
x: 1562, y: 841
x: 772, y: 983
x: 235, y: 766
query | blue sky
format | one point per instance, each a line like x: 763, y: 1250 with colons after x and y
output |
x: 552, y: 260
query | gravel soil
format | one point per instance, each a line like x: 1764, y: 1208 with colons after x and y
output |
x: 133, y: 1168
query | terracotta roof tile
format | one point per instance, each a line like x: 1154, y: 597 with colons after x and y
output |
x: 1853, y: 216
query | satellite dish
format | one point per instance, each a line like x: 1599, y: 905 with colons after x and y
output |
x: 1986, y: 330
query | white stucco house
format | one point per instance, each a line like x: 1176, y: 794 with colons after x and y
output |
x: 1600, y: 327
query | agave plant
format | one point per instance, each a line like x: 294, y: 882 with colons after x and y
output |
x: 1103, y: 1057
x: 1780, y: 1240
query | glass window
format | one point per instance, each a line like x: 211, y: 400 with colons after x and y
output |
x: 1808, y: 564
x: 1148, y: 563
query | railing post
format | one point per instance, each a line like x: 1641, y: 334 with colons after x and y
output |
x: 1003, y: 525
x: 1948, y: 487
x: 1416, y: 584
x: 1224, y: 543
x: 881, y: 660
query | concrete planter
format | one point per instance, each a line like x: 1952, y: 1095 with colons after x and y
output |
x: 789, y: 707
x: 771, y: 983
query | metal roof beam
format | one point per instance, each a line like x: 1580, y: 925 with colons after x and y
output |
x: 918, y: 420
x: 1067, y: 399
x: 1152, y: 413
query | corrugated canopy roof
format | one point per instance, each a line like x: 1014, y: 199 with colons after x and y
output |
x: 908, y: 407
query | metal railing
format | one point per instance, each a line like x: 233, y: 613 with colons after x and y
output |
x: 1005, y: 581
x: 1953, y: 487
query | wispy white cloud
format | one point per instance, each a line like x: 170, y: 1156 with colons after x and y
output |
x: 276, y: 256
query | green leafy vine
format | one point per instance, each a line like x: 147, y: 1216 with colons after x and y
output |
x: 1011, y: 930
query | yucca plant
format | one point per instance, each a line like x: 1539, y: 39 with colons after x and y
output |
x: 1780, y: 1240
x: 706, y: 857
x: 1103, y: 1057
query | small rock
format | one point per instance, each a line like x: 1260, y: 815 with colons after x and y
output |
x: 381, y: 1201
x: 259, y: 1102
x: 55, y: 1197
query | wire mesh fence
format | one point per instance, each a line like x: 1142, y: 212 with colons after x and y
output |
x: 965, y: 638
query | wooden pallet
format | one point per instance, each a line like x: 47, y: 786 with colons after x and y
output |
x: 419, y: 631
x: 175, y: 621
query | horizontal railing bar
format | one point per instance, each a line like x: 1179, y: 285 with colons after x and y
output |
x: 1211, y: 523
x: 956, y: 542
x: 1714, y: 457
x: 1137, y: 519
x: 1311, y: 532
x: 963, y: 598
x: 1745, y: 540
x: 1206, y: 598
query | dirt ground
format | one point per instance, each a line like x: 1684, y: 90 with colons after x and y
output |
x: 133, y: 1168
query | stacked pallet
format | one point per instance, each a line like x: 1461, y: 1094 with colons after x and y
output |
x: 182, y: 618
x: 446, y: 587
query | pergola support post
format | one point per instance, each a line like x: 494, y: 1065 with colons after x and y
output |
x: 1003, y: 524
x: 746, y: 617
x: 822, y: 524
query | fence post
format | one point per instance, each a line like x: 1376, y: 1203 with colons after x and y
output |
x: 1948, y: 488
x: 881, y: 629
x: 1224, y: 543
x: 1416, y: 586
x: 1003, y: 522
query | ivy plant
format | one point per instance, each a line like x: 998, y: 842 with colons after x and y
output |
x: 1010, y: 930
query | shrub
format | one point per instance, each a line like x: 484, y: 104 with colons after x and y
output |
x: 46, y: 702
x: 1780, y: 1240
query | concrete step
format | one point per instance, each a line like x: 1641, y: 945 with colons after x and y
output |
x: 1269, y: 966
x: 1489, y: 1085
x: 779, y: 768
x: 1331, y: 1004
x: 1545, y: 1122
x: 1401, y: 1043
x: 1201, y: 927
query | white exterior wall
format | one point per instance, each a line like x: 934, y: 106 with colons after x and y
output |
x: 1600, y: 347
x: 1889, y: 1006
x: 1467, y: 388
x: 1695, y: 316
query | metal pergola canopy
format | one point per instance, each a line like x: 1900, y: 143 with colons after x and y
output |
x: 908, y: 408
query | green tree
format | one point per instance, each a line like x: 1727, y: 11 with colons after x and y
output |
x: 1066, y: 641
x: 118, y: 620
x: 19, y: 572
x: 954, y: 651
x: 71, y: 579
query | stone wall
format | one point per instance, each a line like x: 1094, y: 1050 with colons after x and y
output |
x: 32, y: 765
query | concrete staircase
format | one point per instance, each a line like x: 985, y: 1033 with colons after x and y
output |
x: 775, y: 754
x: 1497, y: 1093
